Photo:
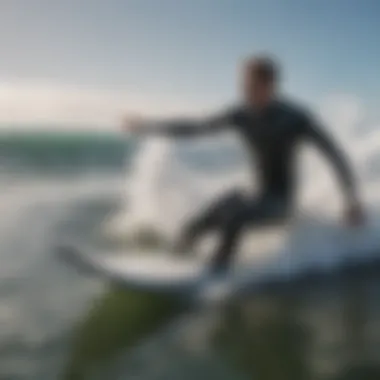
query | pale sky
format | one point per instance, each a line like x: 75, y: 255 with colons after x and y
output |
x: 85, y: 62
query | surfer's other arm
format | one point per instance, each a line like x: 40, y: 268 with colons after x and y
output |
x: 181, y: 127
x: 319, y: 136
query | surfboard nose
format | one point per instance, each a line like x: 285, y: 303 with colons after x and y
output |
x: 69, y: 255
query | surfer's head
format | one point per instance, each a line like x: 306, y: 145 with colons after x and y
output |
x: 259, y: 80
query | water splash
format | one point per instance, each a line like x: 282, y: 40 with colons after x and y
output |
x: 173, y: 179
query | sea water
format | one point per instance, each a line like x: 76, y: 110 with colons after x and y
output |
x: 54, y: 187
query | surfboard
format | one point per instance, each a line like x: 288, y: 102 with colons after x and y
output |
x: 315, y: 250
x: 153, y: 271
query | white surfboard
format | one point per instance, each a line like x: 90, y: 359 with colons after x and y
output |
x: 320, y: 250
x: 153, y: 271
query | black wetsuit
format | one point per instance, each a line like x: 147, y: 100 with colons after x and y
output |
x: 271, y: 137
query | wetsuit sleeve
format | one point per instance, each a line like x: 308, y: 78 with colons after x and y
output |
x: 318, y: 135
x: 189, y: 127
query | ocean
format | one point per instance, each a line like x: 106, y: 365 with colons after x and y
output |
x: 56, y: 323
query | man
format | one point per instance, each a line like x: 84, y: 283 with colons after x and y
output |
x: 271, y: 129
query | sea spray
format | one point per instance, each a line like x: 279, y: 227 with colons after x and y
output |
x: 173, y: 179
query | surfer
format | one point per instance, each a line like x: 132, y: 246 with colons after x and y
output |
x: 271, y: 128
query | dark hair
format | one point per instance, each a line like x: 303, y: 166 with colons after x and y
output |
x: 263, y: 67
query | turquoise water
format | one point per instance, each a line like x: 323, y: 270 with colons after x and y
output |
x: 48, y: 153
x: 56, y: 323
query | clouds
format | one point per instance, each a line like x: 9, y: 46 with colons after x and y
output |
x: 46, y: 103
x: 343, y: 111
x: 178, y: 65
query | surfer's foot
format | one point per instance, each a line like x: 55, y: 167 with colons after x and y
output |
x: 218, y: 267
x: 182, y: 247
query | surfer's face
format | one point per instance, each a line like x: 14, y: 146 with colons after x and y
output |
x: 258, y: 91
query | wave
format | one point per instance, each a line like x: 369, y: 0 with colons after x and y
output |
x: 23, y: 152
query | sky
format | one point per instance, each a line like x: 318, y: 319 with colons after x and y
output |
x: 87, y: 62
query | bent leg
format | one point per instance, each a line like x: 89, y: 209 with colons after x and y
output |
x: 254, y: 213
x: 214, y: 217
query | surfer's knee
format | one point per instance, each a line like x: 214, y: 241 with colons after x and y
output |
x: 233, y: 200
x: 236, y: 221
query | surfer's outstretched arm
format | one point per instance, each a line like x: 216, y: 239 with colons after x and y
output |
x: 182, y: 127
x: 327, y: 145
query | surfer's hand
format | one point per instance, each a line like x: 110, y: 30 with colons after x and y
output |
x: 355, y: 215
x: 132, y: 123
